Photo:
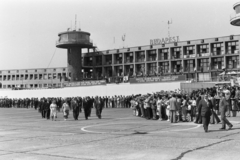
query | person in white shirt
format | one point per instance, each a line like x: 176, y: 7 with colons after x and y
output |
x: 66, y: 109
x: 53, y: 109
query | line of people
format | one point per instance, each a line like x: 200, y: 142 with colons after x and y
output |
x: 117, y: 101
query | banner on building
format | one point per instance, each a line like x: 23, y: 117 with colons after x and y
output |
x: 158, y: 79
x: 85, y: 83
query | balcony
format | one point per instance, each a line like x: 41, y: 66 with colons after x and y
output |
x: 129, y: 61
x: 153, y: 58
x: 233, y: 52
x: 235, y: 19
x: 118, y: 62
x: 203, y: 54
x: 176, y: 57
x: 140, y: 60
x: 217, y: 53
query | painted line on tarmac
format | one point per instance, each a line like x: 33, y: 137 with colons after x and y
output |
x: 84, y: 129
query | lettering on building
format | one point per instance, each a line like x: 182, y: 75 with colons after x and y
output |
x: 164, y: 40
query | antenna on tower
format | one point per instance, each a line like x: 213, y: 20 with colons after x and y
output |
x: 169, y: 27
x: 75, y: 22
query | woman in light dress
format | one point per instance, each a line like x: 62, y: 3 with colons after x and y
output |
x: 53, y: 109
x: 65, y: 108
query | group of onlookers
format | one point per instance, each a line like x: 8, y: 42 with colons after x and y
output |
x: 200, y: 106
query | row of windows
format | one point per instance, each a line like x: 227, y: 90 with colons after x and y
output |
x: 34, y: 76
x: 26, y: 71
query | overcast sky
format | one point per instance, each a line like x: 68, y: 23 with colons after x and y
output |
x: 29, y: 29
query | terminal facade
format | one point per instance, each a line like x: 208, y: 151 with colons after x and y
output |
x: 202, y: 59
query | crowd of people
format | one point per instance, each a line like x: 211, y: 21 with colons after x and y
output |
x: 201, y: 106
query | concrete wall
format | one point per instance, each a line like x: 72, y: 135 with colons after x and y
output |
x: 108, y: 90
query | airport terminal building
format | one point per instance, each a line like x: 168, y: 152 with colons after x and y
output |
x: 202, y: 59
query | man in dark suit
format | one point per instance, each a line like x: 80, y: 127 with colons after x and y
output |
x: 205, y: 105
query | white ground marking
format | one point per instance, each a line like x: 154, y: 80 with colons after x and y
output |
x: 84, y: 129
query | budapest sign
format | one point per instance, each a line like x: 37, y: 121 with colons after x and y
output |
x: 164, y: 40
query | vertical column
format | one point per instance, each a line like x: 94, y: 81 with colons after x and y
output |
x: 103, y: 62
x: 170, y: 60
x: 75, y: 63
x: 134, y: 63
x: 145, y: 62
x: 157, y: 52
x: 113, y: 62
x: 123, y: 62
x: 182, y: 65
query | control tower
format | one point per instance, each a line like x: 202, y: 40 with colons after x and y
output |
x: 235, y: 18
x: 74, y: 41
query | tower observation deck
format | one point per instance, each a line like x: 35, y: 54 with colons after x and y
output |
x: 74, y: 41
x: 235, y: 17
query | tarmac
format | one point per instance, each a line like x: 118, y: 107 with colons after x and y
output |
x: 119, y: 135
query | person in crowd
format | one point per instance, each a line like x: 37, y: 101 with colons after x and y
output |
x: 224, y: 106
x: 65, y: 109
x: 76, y: 108
x: 206, y: 105
x: 173, y: 108
x: 53, y: 109
x: 98, y: 106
